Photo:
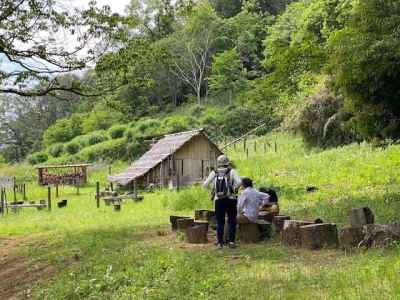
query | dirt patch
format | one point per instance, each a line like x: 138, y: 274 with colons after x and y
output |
x: 18, y: 273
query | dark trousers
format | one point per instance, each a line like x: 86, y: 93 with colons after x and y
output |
x: 226, y: 207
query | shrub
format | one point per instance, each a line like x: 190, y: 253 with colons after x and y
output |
x: 72, y: 147
x: 97, y: 138
x: 186, y: 199
x: 56, y: 150
x: 99, y: 120
x: 117, y: 131
x: 63, y: 130
x: 108, y: 150
x: 322, y: 121
x: 178, y: 123
x: 38, y: 158
x: 2, y: 160
x: 135, y: 149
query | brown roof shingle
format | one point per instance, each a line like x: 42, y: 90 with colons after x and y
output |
x: 158, y: 153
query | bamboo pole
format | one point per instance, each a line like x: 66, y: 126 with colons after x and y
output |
x: 243, y: 136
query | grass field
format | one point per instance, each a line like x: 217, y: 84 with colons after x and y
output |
x: 86, y: 253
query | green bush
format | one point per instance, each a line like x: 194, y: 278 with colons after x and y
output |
x: 177, y: 124
x: 2, y: 160
x: 56, y: 150
x: 117, y: 131
x: 72, y: 147
x: 187, y: 199
x: 38, y: 158
x: 135, y: 149
x: 108, y: 150
x: 322, y: 121
x: 98, y: 137
x: 100, y: 120
x: 63, y: 130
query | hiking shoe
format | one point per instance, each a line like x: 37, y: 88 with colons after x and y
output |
x: 232, y: 245
x: 220, y: 246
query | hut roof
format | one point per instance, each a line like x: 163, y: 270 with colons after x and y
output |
x: 158, y: 153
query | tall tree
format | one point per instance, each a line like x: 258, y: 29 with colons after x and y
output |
x: 31, y: 53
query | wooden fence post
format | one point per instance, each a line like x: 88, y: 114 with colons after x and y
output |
x: 49, y: 198
x: 24, y: 192
x: 255, y: 146
x: 98, y: 194
x: 247, y: 152
x: 57, y: 194
x: 2, y: 202
x: 265, y: 147
x: 276, y: 147
x: 244, y: 145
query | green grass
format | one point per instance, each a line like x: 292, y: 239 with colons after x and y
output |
x: 101, y: 254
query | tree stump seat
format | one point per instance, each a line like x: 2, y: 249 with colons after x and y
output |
x: 183, y: 224
x: 350, y: 237
x: 291, y: 232
x: 197, y: 234
x: 279, y: 221
x: 174, y: 221
x: 203, y: 214
x: 318, y: 236
x: 361, y: 216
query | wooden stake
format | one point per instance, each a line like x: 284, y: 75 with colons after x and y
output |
x: 244, y: 145
x: 265, y: 147
x: 57, y: 195
x: 255, y: 146
x: 247, y: 153
x: 24, y: 192
x: 49, y: 198
x: 276, y: 147
x: 98, y: 194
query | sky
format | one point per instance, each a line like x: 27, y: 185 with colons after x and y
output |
x: 117, y: 6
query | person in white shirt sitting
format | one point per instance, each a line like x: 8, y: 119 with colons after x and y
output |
x: 249, y: 202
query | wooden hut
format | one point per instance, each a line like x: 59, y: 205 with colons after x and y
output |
x: 176, y: 160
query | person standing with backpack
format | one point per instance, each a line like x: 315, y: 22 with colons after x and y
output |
x: 225, y: 181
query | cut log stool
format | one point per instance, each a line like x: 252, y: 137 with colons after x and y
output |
x: 174, y: 221
x: 201, y: 223
x: 291, y: 232
x: 350, y: 237
x: 381, y: 235
x: 361, y: 216
x: 183, y: 224
x: 249, y: 233
x: 197, y: 234
x: 278, y: 221
x: 204, y: 215
x: 318, y: 236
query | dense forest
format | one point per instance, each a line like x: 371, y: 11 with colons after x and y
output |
x: 326, y: 69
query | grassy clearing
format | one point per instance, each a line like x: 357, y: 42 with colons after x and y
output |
x: 100, y: 254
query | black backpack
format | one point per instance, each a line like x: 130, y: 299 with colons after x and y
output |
x: 222, y: 186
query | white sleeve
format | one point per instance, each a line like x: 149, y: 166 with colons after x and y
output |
x: 263, y: 198
x: 236, y: 180
x: 209, y: 179
x: 241, y: 201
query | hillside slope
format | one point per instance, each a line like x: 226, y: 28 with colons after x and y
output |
x: 97, y: 253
